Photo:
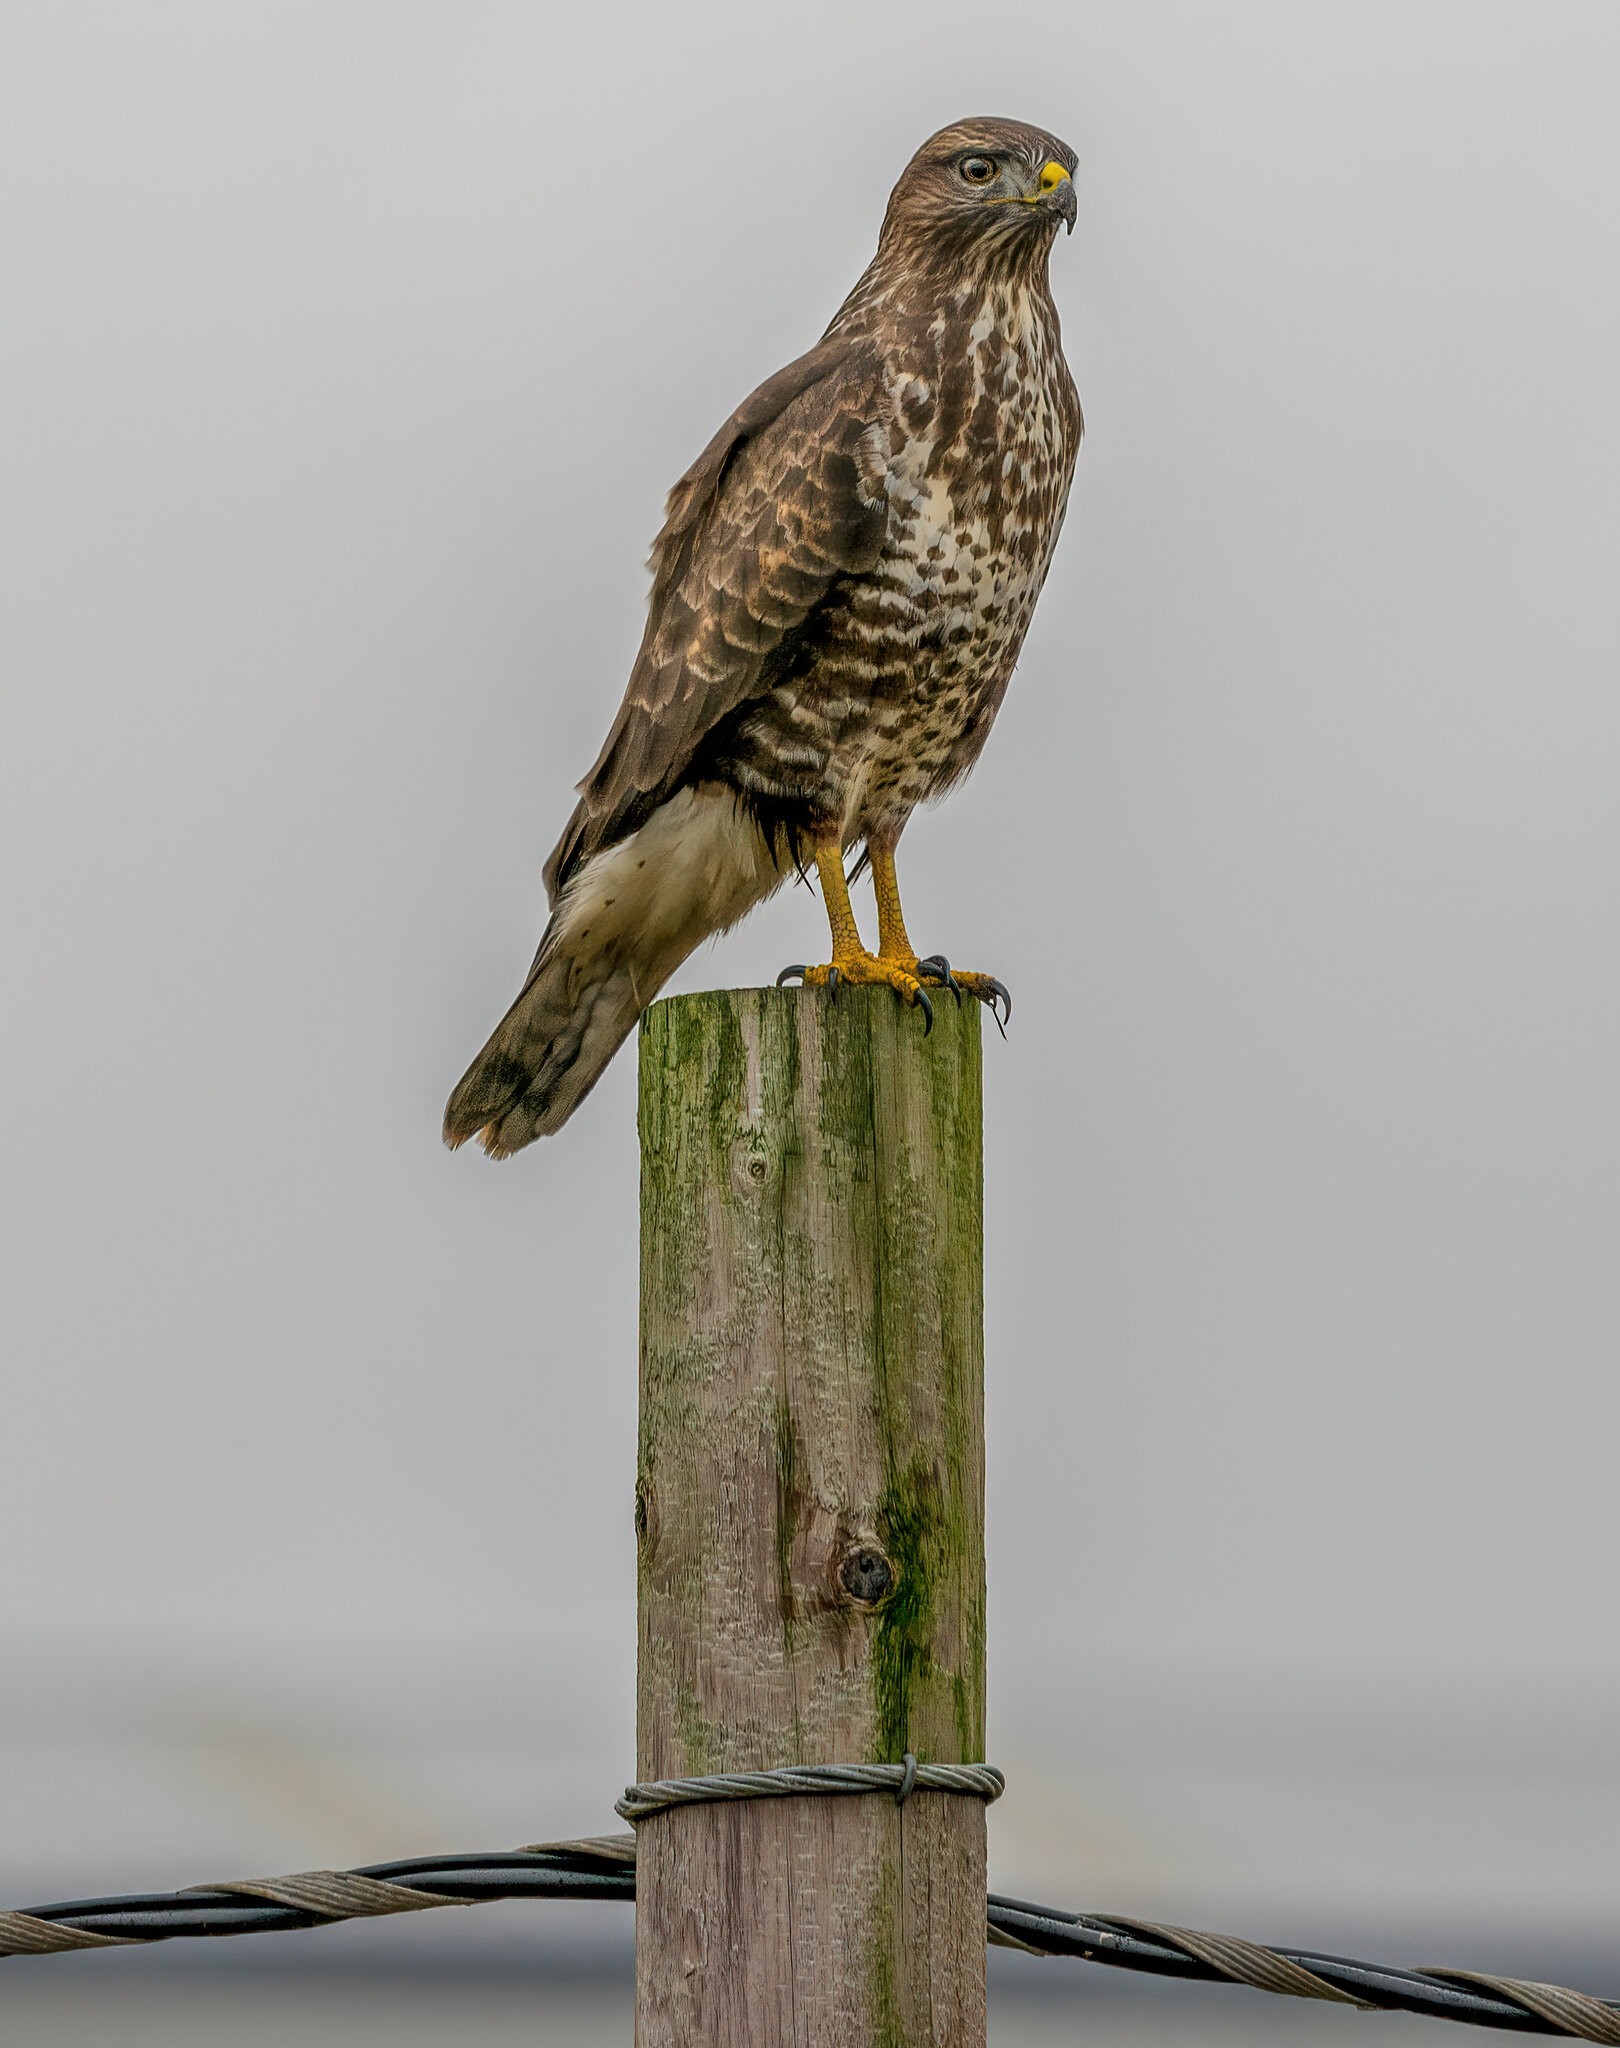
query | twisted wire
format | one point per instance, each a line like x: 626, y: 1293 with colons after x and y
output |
x: 1510, y: 2004
x: 1243, y: 1962
x: 977, y: 1781
x: 1570, y: 2012
x: 603, y: 1867
x: 600, y: 1868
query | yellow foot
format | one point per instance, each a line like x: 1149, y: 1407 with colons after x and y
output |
x: 992, y: 993
x: 870, y: 970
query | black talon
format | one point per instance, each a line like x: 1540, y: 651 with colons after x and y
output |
x: 1000, y: 989
x: 788, y: 973
x: 927, y: 1010
x: 833, y: 979
x: 939, y: 969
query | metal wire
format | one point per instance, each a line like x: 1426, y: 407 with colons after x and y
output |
x: 604, y: 1868
x: 1507, y: 2003
x: 976, y: 1781
x: 598, y: 1869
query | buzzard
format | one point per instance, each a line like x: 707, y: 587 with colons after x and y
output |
x: 840, y: 590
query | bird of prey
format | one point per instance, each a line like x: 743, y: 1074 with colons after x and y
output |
x: 840, y: 591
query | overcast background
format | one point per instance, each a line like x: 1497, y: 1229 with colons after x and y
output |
x: 347, y: 353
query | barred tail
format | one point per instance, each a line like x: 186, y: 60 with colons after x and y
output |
x: 624, y: 924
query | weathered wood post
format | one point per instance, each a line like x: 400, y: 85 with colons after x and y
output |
x: 810, y: 1513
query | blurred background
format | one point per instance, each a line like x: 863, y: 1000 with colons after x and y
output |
x: 349, y: 350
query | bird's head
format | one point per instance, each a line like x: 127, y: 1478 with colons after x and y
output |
x: 986, y: 183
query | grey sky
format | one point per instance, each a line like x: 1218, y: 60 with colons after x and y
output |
x: 348, y: 353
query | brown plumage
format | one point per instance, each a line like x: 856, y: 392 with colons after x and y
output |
x: 840, y: 590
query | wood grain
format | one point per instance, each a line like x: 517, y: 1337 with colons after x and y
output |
x: 810, y: 1515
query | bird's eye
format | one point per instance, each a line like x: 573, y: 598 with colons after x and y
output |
x: 978, y: 170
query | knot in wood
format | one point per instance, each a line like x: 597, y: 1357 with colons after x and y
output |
x: 646, y: 1519
x: 749, y: 1166
x: 866, y: 1575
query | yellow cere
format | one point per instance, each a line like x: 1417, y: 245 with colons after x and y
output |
x: 1053, y: 174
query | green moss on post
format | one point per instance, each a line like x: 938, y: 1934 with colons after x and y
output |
x: 810, y: 1514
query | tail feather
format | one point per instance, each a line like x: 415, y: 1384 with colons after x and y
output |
x: 626, y: 922
x: 543, y: 1058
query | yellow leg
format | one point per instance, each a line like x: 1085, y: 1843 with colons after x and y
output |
x: 895, y: 946
x: 846, y: 933
x: 850, y: 960
x: 893, y: 943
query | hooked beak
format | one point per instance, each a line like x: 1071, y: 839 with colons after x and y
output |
x: 1058, y: 194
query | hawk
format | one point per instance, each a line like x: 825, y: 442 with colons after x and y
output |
x: 840, y: 590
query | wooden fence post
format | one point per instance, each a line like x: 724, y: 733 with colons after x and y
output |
x: 810, y: 1516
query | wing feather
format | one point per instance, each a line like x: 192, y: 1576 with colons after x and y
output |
x: 787, y: 498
